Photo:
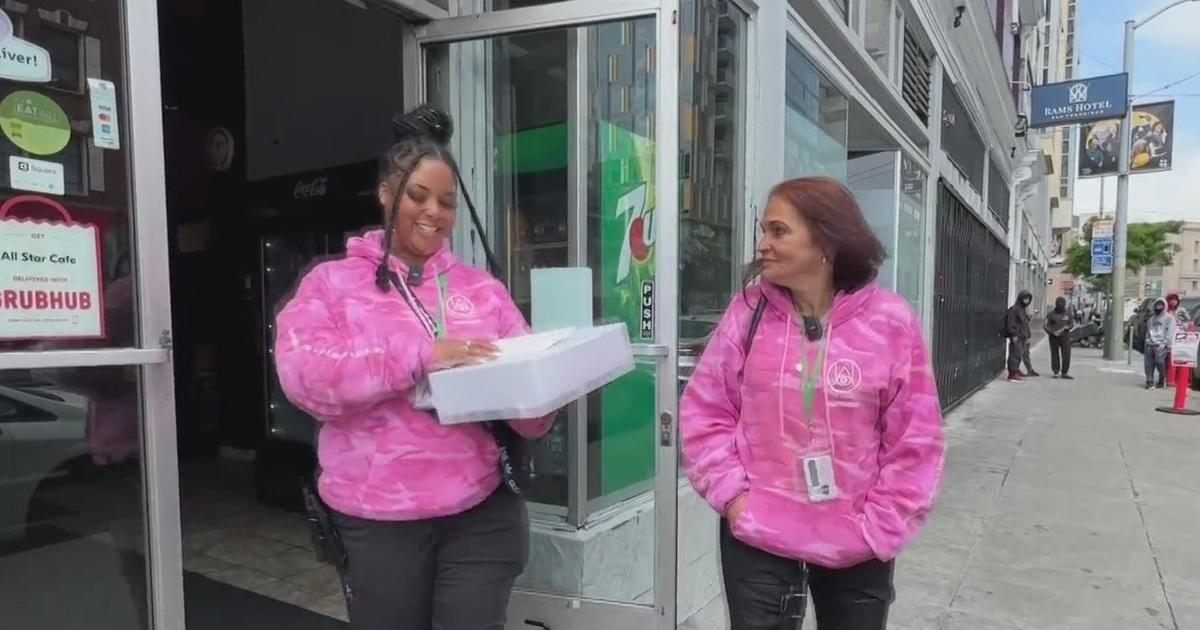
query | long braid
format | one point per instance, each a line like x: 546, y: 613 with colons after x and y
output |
x: 383, y: 271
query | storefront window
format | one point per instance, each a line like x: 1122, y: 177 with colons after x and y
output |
x: 877, y: 37
x: 815, y: 123
x: 910, y: 245
x: 51, y: 127
x: 71, y: 499
x: 872, y: 179
x: 712, y: 146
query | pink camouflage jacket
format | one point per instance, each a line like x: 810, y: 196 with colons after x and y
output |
x: 743, y: 428
x: 350, y: 355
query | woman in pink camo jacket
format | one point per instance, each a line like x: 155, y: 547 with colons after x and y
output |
x: 821, y: 444
x: 432, y: 537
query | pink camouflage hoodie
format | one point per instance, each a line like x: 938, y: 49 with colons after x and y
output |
x: 350, y: 355
x: 884, y: 427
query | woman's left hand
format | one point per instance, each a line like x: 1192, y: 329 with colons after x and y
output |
x: 451, y: 353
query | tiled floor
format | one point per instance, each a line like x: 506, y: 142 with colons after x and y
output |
x: 230, y: 537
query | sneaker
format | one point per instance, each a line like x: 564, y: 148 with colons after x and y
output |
x: 1032, y: 374
x: 1068, y: 377
x: 1016, y: 378
x: 1056, y: 377
x: 1149, y: 385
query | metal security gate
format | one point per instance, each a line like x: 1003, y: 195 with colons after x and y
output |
x: 971, y: 297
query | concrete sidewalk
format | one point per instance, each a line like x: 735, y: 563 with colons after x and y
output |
x: 1066, y: 505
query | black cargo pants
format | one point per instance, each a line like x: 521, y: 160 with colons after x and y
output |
x: 450, y: 573
x: 767, y: 592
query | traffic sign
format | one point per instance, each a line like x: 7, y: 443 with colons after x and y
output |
x: 1102, y: 247
x: 1102, y: 264
x: 1102, y: 228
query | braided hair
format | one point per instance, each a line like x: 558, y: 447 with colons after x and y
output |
x: 424, y: 132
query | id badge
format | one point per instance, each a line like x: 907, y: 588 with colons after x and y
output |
x: 817, y: 472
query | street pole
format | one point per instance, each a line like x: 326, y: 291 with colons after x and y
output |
x: 1116, y: 325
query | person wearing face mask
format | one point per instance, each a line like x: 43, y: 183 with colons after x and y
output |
x: 432, y: 536
x: 1160, y: 332
x: 812, y: 422
x: 1016, y: 329
x: 1058, y: 326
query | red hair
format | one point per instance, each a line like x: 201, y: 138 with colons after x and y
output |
x: 839, y: 228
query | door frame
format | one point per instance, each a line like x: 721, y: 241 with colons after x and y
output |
x: 152, y: 354
x: 575, y: 611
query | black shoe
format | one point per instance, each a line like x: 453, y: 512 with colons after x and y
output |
x: 1068, y: 377
x: 1149, y: 385
x: 1032, y: 374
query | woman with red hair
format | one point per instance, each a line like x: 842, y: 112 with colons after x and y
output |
x: 812, y: 421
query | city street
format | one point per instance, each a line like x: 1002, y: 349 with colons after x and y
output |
x: 1067, y: 505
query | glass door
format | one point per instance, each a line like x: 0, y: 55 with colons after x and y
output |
x: 88, y: 494
x: 564, y: 114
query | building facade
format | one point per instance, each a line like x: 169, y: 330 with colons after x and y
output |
x: 637, y: 140
x: 1058, y: 60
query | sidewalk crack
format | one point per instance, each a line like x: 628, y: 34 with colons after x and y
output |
x: 992, y: 509
x: 1137, y: 501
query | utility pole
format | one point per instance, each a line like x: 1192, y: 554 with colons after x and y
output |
x: 1116, y: 324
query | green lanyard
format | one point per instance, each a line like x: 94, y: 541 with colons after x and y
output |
x: 812, y: 375
x: 439, y: 325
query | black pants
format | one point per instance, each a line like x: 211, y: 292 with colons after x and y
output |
x: 767, y: 592
x: 450, y: 573
x: 1060, y: 354
x: 1018, y: 353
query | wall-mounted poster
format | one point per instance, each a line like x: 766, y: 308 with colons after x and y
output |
x: 1151, y: 150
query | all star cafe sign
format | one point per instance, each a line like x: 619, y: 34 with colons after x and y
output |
x: 19, y: 59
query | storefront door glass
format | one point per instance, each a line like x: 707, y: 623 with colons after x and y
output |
x: 560, y: 134
x: 88, y: 507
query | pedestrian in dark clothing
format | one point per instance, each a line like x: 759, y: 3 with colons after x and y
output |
x: 1160, y: 331
x: 1059, y: 326
x: 1016, y: 329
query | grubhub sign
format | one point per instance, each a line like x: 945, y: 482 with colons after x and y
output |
x: 1079, y: 101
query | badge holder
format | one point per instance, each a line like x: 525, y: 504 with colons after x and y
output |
x: 815, y: 474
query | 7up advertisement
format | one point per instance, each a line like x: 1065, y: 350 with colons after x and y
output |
x: 627, y: 293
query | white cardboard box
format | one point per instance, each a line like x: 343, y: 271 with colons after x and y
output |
x: 534, y: 375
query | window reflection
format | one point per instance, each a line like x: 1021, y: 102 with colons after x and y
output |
x: 71, y: 499
x: 815, y: 124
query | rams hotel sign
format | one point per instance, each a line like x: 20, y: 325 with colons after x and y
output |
x: 1079, y: 101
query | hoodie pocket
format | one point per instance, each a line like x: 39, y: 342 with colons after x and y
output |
x: 826, y: 534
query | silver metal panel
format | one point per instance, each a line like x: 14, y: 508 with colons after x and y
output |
x: 666, y: 496
x: 420, y: 9
x: 651, y: 350
x: 577, y: 255
x: 556, y: 611
x: 160, y: 464
x: 536, y: 18
x: 82, y: 358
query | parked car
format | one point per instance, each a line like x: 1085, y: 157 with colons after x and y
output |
x: 1137, y: 324
x: 41, y: 430
x: 694, y: 333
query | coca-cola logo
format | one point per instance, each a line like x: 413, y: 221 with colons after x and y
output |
x: 316, y: 187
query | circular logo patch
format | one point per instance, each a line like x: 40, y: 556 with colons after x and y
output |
x: 843, y: 376
x: 460, y: 305
x: 34, y: 123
